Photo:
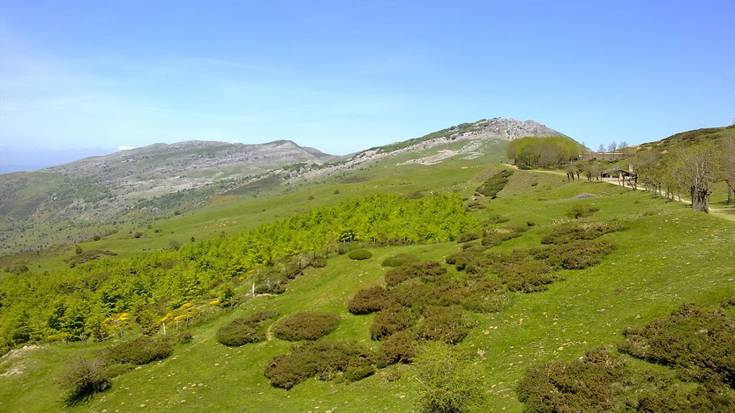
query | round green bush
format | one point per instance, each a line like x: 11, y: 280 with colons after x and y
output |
x: 359, y: 254
x: 368, y: 300
x: 391, y: 320
x: 399, y: 259
x: 398, y: 348
x: 306, y: 326
x: 241, y: 331
x: 142, y: 350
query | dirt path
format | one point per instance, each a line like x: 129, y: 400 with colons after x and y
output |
x: 727, y: 214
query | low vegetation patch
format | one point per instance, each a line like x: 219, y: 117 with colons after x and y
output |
x: 368, y: 300
x: 390, y: 320
x: 325, y: 360
x: 306, y: 326
x: 446, y: 324
x: 426, y: 271
x: 245, y: 330
x: 494, y: 184
x: 497, y: 236
x: 589, y: 384
x: 359, y: 254
x: 83, y: 378
x: 142, y: 350
x: 571, y: 232
x: 400, y: 347
x: 697, y: 341
x: 581, y: 211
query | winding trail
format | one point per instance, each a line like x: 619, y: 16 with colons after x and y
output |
x: 724, y: 213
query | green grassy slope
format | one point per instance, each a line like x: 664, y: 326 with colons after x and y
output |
x: 668, y: 255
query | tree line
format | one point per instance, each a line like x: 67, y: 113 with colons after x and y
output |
x: 688, y: 170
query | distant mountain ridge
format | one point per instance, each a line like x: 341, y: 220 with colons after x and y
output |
x: 157, y: 180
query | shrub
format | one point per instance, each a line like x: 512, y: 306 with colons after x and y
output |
x: 497, y: 236
x: 141, y: 350
x: 571, y: 232
x: 420, y: 295
x: 399, y: 259
x: 185, y: 337
x: 322, y: 359
x: 484, y: 296
x: 397, y: 348
x: 241, y: 331
x: 391, y: 320
x: 518, y: 273
x: 445, y: 324
x: 83, y: 378
x: 589, y: 384
x: 368, y: 300
x: 702, y: 398
x: 695, y: 340
x: 494, y: 184
x: 576, y: 255
x: 581, y: 211
x: 359, y: 254
x: 447, y: 383
x: 496, y: 219
x: 468, y: 236
x: 306, y: 326
x: 427, y: 271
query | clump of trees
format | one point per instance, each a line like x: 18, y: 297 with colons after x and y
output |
x: 543, y: 152
x: 110, y: 297
x: 688, y: 170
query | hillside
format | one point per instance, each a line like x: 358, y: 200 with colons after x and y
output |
x: 653, y: 256
x: 42, y: 208
x: 93, y: 197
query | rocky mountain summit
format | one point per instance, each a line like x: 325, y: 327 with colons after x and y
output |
x: 474, y: 133
x: 163, y: 179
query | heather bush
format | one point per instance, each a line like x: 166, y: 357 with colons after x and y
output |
x: 589, y: 384
x: 575, y: 255
x: 420, y: 295
x: 426, y: 271
x: 468, y: 236
x: 245, y: 330
x: 697, y: 341
x: 570, y: 232
x: 325, y: 360
x: 141, y: 350
x: 446, y: 324
x: 83, y: 378
x: 368, y: 300
x: 305, y: 326
x: 359, y: 254
x: 390, y: 320
x: 581, y: 211
x: 400, y: 347
x: 709, y: 397
x: 499, y: 235
x: 494, y: 184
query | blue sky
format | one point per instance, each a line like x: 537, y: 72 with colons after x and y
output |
x: 343, y: 76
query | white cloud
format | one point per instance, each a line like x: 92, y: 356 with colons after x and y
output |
x: 125, y: 148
